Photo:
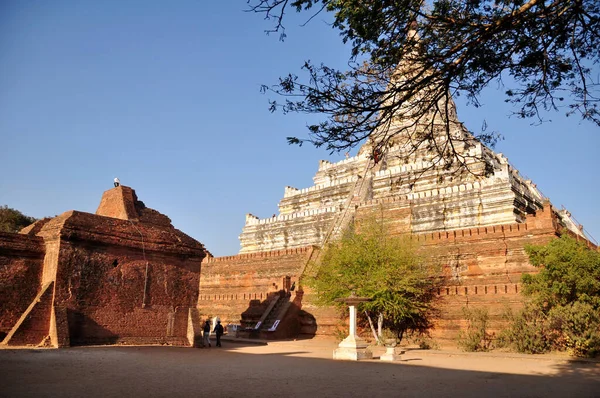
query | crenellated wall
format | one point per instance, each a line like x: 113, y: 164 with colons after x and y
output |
x: 440, y: 198
x: 230, y: 285
x: 483, y: 266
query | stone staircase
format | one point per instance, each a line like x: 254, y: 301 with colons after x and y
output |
x: 271, y: 317
x: 278, y: 308
x: 277, y: 313
x: 360, y: 192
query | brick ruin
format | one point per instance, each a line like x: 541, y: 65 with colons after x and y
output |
x: 121, y: 276
x: 475, y: 223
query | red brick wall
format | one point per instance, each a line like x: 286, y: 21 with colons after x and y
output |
x: 33, y: 328
x: 21, y: 261
x: 102, y: 278
x: 483, y: 267
x: 229, y: 284
x: 118, y: 202
x: 129, y: 280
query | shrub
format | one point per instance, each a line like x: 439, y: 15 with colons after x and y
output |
x: 426, y: 343
x: 563, y: 312
x: 578, y: 327
x: 528, y: 333
x: 476, y: 337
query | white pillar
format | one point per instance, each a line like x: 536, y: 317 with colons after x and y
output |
x: 353, y: 321
x: 352, y: 347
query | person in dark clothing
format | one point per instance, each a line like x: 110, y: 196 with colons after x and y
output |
x: 219, y: 332
x: 206, y: 333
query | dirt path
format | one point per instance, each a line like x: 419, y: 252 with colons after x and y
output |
x: 291, y: 369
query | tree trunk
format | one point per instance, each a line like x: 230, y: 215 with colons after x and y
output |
x: 400, y: 335
x: 372, y: 327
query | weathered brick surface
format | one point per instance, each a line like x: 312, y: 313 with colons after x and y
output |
x: 59, y: 327
x: 118, y: 202
x: 230, y: 286
x: 21, y: 260
x: 131, y: 279
x: 34, y: 324
x: 110, y: 295
x: 126, y: 282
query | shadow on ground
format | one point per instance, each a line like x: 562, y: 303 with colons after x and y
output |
x: 258, y: 371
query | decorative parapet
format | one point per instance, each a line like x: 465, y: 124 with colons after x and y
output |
x: 423, y: 164
x: 570, y: 223
x: 492, y: 289
x: 450, y: 190
x: 290, y: 191
x: 246, y: 256
x: 324, y: 164
x: 468, y: 232
x: 451, y: 235
x: 522, y: 185
x: 534, y: 189
x: 426, y: 193
x: 501, y: 158
x: 444, y: 191
x: 253, y: 220
x: 250, y: 218
x: 403, y: 168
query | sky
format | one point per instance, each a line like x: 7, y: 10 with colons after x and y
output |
x: 167, y: 98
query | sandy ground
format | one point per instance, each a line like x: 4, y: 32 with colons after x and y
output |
x: 287, y: 369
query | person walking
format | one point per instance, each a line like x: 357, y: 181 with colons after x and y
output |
x: 206, y: 333
x: 219, y: 332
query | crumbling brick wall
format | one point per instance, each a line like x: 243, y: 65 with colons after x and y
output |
x: 132, y: 279
x: 21, y: 261
x: 125, y: 282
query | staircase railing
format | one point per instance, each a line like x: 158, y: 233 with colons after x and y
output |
x: 265, y: 314
x: 340, y: 221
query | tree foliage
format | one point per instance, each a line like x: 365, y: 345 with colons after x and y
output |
x: 12, y: 220
x: 387, y: 269
x: 564, y: 308
x: 409, y: 57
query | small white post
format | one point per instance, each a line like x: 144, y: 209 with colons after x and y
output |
x: 353, y: 347
x: 353, y: 321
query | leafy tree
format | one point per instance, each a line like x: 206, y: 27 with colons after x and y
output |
x: 564, y: 308
x: 12, y: 220
x: 409, y: 57
x: 371, y: 263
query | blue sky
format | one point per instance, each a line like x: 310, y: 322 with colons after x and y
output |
x: 168, y: 99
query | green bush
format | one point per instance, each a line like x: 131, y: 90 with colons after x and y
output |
x: 12, y: 220
x: 476, y: 337
x: 369, y: 261
x: 528, y: 333
x: 563, y: 312
x: 426, y: 343
x: 578, y: 328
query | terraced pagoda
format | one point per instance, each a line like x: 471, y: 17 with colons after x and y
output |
x: 474, y: 215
